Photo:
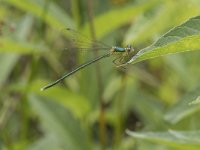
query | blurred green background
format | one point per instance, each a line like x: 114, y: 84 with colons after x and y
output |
x: 99, y: 107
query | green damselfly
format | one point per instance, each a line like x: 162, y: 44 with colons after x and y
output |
x: 120, y: 52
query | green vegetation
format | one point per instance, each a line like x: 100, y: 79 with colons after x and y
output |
x: 151, y: 104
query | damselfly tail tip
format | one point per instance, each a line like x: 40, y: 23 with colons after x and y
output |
x: 43, y: 88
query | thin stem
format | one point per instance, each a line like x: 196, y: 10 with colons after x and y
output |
x: 102, y: 128
x: 76, y: 11
x: 119, y: 107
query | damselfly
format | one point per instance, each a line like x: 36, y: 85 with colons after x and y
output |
x: 121, y: 54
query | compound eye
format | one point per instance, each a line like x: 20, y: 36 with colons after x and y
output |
x: 129, y: 46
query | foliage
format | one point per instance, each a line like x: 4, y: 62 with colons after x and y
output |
x: 180, y: 39
x: 151, y: 104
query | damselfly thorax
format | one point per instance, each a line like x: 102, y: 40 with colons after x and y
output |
x: 122, y: 54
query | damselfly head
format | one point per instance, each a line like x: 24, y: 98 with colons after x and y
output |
x: 129, y: 48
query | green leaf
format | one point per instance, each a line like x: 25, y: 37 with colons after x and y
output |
x: 168, y: 14
x: 8, y: 45
x: 196, y: 101
x: 57, y: 120
x: 109, y: 90
x: 181, y: 139
x: 76, y: 103
x: 147, y: 105
x: 54, y: 15
x: 7, y: 62
x: 113, y: 19
x: 185, y: 37
x: 182, y: 109
x: 49, y: 142
x: 16, y: 41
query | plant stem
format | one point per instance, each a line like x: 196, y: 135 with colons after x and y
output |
x: 119, y: 112
x: 102, y: 129
x: 76, y: 11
